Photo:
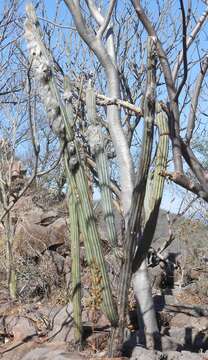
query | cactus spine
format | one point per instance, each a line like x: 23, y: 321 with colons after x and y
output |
x: 97, y: 147
x: 62, y: 126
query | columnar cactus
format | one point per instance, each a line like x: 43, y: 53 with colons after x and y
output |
x: 154, y: 190
x: 75, y: 267
x: 88, y: 224
x: 61, y: 124
x: 96, y: 142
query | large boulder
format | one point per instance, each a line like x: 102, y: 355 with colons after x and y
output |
x: 38, y: 231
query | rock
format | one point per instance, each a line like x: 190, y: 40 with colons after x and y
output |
x: 23, y: 206
x: 32, y: 239
x: 58, y: 261
x: 169, y: 344
x: 48, y: 217
x: 140, y: 353
x: 61, y: 320
x: 173, y: 355
x: 43, y: 353
x: 183, y: 320
x: 18, y: 327
x: 35, y: 351
x: 185, y: 355
x: 58, y: 233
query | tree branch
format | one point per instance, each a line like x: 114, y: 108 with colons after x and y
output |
x: 195, y: 99
x: 189, y: 42
x: 95, y: 12
x: 185, y: 64
x: 195, y: 166
x: 174, y: 111
x: 183, y: 181
x: 106, y: 19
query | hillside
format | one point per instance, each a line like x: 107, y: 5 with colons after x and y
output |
x: 43, y: 263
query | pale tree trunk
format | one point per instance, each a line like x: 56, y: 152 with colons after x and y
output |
x: 141, y: 282
x: 143, y: 294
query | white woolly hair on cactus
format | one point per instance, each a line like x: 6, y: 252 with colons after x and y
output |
x: 43, y: 70
x: 67, y: 95
x: 41, y: 64
x: 94, y: 138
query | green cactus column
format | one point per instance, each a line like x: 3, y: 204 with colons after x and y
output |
x: 154, y: 191
x: 96, y: 142
x: 75, y: 268
x: 87, y: 221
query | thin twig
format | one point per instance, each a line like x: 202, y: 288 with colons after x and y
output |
x: 57, y: 25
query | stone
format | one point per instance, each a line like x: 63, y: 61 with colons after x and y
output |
x: 32, y: 239
x: 48, y: 217
x: 61, y: 320
x: 183, y: 320
x: 34, y: 351
x: 43, y: 353
x: 187, y: 355
x: 140, y: 353
x: 18, y: 327
x: 58, y: 261
x: 58, y: 232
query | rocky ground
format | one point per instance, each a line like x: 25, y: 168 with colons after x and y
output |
x: 39, y: 324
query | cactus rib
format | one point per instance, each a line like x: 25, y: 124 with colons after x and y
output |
x: 97, y: 147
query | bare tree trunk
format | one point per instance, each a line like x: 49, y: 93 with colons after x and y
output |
x: 143, y: 294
